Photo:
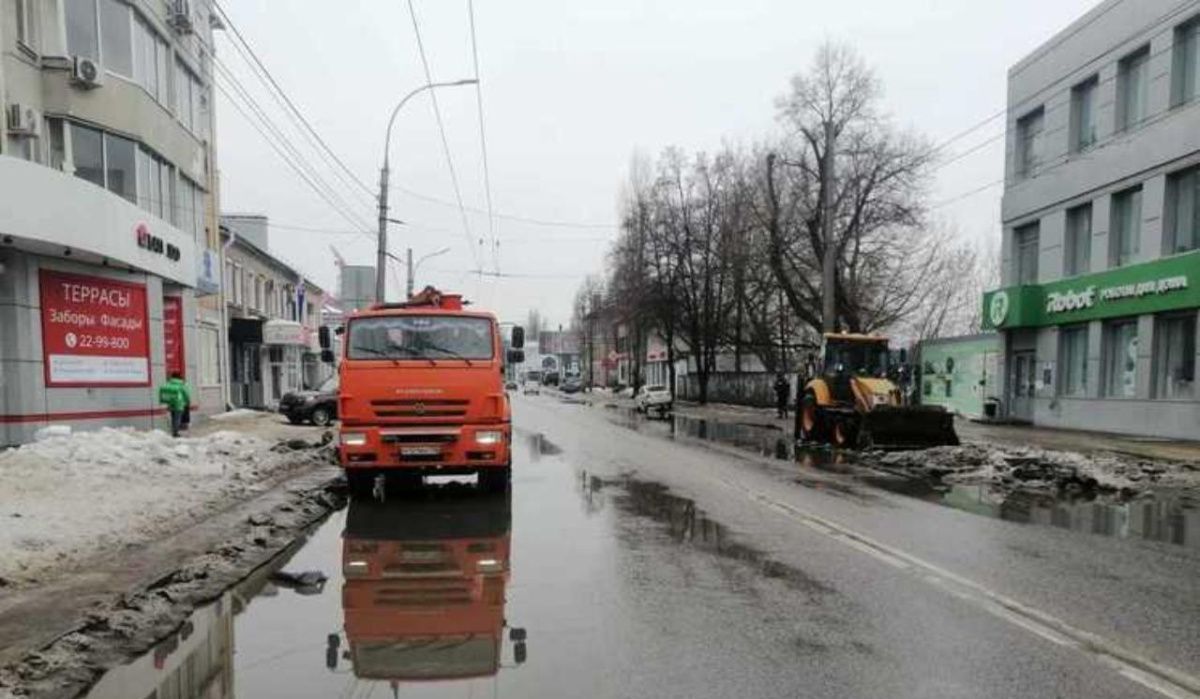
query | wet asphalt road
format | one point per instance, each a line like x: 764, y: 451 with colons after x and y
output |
x: 645, y: 566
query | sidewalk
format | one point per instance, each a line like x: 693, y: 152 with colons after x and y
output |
x: 968, y: 432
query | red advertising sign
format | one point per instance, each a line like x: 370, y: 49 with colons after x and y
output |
x: 173, y: 334
x: 95, y: 332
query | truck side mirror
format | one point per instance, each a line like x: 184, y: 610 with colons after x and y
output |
x: 518, y: 337
x: 323, y: 337
x: 516, y: 356
x: 340, y: 330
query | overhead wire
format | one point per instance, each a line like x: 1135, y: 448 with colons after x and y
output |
x: 437, y: 112
x: 487, y: 176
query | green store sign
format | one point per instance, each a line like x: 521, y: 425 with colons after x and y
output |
x: 1168, y: 284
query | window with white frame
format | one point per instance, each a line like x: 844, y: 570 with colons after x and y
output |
x: 188, y: 212
x: 1183, y: 211
x: 1026, y: 242
x: 1078, y: 253
x: 190, y: 99
x: 83, y: 29
x: 155, y: 183
x: 1073, y: 350
x: 239, y: 280
x: 1029, y: 133
x: 1120, y: 358
x: 1175, y: 356
x: 1126, y: 226
x: 208, y: 341
x: 1133, y: 88
x: 1084, y: 132
x: 124, y: 42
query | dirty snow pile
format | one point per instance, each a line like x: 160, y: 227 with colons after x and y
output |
x: 71, y: 495
x: 1033, y: 468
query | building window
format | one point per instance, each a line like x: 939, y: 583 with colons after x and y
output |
x: 1187, y: 63
x: 1120, y: 359
x: 227, y: 283
x: 1026, y: 247
x: 1029, y: 132
x: 1083, y: 114
x: 116, y: 38
x: 1073, y: 350
x: 1175, y: 356
x: 151, y: 59
x: 209, y: 341
x: 1126, y: 228
x: 190, y: 100
x: 238, y: 284
x: 1183, y: 212
x: 1133, y: 88
x: 83, y: 35
x: 1078, y: 253
x: 189, y: 208
x: 155, y: 177
x: 27, y: 24
x: 120, y: 166
x: 87, y: 150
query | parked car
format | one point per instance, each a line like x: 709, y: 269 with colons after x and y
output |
x: 572, y: 384
x: 318, y: 407
x: 653, y: 399
x: 531, y: 388
x: 510, y: 385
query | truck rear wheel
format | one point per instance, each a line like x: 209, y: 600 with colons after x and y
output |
x: 495, y: 480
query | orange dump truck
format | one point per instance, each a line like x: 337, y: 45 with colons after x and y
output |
x: 422, y: 393
x: 424, y: 589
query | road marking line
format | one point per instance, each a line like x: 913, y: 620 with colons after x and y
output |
x: 1154, y: 676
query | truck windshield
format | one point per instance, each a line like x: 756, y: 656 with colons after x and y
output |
x: 420, y: 337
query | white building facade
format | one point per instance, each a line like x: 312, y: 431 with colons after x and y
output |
x: 109, y: 270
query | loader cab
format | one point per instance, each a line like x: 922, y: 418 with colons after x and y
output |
x: 856, y: 355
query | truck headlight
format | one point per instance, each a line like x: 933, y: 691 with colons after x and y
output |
x: 353, y: 439
x: 489, y: 437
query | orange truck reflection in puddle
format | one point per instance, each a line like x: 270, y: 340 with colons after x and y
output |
x: 424, y: 589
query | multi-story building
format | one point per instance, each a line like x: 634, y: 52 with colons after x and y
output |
x: 1101, y: 224
x: 275, y: 315
x: 109, y: 278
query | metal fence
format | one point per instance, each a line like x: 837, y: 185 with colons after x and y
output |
x: 754, y: 389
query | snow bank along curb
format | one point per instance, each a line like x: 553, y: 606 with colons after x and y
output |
x: 69, y: 496
x: 130, y: 625
x: 1037, y: 469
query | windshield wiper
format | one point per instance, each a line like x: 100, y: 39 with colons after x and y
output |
x: 451, y: 353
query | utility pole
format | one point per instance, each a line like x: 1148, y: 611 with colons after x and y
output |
x: 829, y: 262
x: 409, y: 288
x: 381, y: 252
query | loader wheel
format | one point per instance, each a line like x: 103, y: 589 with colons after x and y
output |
x: 845, y: 434
x: 812, y: 422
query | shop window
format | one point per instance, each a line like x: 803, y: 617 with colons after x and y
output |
x: 1120, y: 359
x: 1073, y: 351
x: 1183, y: 212
x: 1126, y: 228
x: 1079, y: 241
x: 1026, y: 243
x: 1175, y: 356
x: 87, y: 151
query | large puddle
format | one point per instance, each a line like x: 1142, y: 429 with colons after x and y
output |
x: 1161, y: 516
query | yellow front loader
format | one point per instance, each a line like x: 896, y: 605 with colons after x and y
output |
x: 852, y: 402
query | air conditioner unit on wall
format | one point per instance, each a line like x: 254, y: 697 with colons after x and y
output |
x: 86, y: 72
x: 23, y: 120
x: 179, y: 16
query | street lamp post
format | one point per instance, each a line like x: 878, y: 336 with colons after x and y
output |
x: 381, y: 254
x: 412, y: 268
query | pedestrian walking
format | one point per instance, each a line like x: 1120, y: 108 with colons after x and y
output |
x: 782, y: 392
x: 177, y: 396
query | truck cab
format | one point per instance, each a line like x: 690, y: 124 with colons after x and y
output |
x: 422, y: 393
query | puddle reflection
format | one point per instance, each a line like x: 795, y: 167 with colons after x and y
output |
x: 424, y: 591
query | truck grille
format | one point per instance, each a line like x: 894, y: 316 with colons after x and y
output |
x: 436, y: 408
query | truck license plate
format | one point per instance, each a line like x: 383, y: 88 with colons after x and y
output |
x: 421, y: 451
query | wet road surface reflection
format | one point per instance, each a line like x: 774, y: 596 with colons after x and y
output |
x: 1165, y: 517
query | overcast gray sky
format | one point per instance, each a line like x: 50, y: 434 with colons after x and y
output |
x: 571, y: 89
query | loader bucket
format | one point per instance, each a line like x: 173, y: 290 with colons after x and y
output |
x: 907, y: 427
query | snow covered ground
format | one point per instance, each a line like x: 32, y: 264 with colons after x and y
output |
x: 69, y: 495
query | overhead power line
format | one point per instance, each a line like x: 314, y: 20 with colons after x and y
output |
x: 508, y: 217
x: 437, y: 112
x: 487, y: 176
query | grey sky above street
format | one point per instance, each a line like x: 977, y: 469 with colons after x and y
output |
x: 571, y: 90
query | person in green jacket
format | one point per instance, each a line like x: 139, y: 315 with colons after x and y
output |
x: 177, y: 396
